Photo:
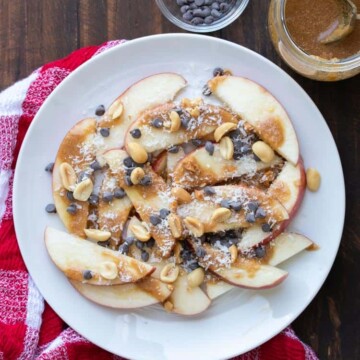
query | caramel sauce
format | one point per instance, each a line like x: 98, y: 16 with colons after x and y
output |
x: 313, y: 247
x: 308, y: 20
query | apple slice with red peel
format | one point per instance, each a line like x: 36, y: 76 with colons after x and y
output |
x: 199, y: 168
x: 73, y: 255
x: 173, y: 159
x: 259, y: 108
x: 289, y: 189
x: 154, y: 139
x: 187, y: 300
x: 215, y: 287
x: 76, y: 150
x: 156, y: 288
x: 203, y: 207
x: 284, y: 247
x: 159, y: 164
x: 127, y: 296
x: 147, y: 93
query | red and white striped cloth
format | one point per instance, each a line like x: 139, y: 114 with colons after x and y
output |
x: 29, y: 328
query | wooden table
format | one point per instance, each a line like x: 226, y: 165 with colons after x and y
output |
x: 33, y: 32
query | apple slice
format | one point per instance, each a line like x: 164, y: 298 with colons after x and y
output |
x: 76, y: 150
x: 148, y: 200
x: 187, y: 300
x: 173, y: 159
x: 156, y: 288
x: 260, y: 109
x: 203, y: 207
x: 113, y: 214
x: 153, y: 139
x: 289, y: 189
x: 199, y: 168
x: 73, y: 255
x: 149, y: 92
x: 284, y: 247
x: 127, y: 296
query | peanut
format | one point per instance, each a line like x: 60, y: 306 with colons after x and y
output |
x: 83, y: 190
x: 226, y: 148
x: 67, y: 176
x: 108, y: 270
x: 223, y: 129
x: 136, y: 175
x: 233, y: 253
x: 137, y: 152
x: 220, y: 215
x: 116, y: 109
x: 194, y: 226
x: 175, y: 121
x: 140, y: 232
x: 99, y: 235
x: 169, y: 273
x: 181, y: 195
x: 313, y: 179
x: 175, y: 225
x: 263, y: 151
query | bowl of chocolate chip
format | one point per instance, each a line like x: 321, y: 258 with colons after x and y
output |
x: 298, y: 30
x: 202, y: 16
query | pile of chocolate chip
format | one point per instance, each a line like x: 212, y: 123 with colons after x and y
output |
x: 198, y: 12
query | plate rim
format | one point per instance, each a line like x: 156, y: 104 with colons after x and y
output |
x: 138, y: 42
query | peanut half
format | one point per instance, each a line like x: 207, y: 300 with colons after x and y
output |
x: 175, y: 225
x: 108, y: 270
x: 263, y: 151
x: 223, y: 129
x: 233, y: 253
x: 137, y: 152
x: 226, y: 148
x: 83, y: 190
x: 99, y: 235
x: 116, y: 109
x: 67, y: 176
x: 220, y: 215
x: 313, y: 179
x: 169, y: 273
x: 175, y: 121
x: 194, y: 226
x: 136, y: 175
x: 196, y: 277
x: 140, y: 232
x: 181, y: 195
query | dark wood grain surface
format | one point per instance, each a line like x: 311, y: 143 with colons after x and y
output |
x: 33, y: 32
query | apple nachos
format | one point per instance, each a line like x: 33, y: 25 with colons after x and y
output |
x: 177, y: 202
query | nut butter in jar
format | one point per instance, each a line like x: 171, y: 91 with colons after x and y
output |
x: 296, y: 28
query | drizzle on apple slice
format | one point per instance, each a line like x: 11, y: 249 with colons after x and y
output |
x: 199, y: 168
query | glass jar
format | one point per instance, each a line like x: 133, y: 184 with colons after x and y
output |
x: 305, y: 64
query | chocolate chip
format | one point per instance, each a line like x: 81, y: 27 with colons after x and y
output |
x: 185, y: 119
x: 196, y: 142
x: 129, y: 162
x: 50, y: 208
x: 197, y: 12
x: 218, y: 71
x: 100, y: 110
x: 188, y: 16
x: 215, y: 5
x: 266, y: 227
x: 174, y: 149
x: 93, y: 199
x: 136, y: 133
x: 139, y: 244
x: 184, y: 9
x: 206, y: 90
x: 215, y: 13
x: 124, y: 248
x: 225, y: 203
x: 105, y: 132
x: 236, y: 205
x: 205, y: 12
x: 108, y: 196
x: 157, y: 123
x: 250, y: 218
x: 119, y: 193
x: 246, y: 149
x: 260, y: 213
x: 95, y: 165
x: 72, y: 209
x: 208, y: 190
x: 252, y: 205
x: 257, y: 159
x: 197, y: 21
x: 208, y: 2
x: 145, y: 256
x: 164, y: 213
x: 234, y: 134
x: 150, y: 243
x: 260, y: 251
x: 199, y: 2
x: 200, y: 252
x: 70, y: 195
x: 224, y: 7
x: 181, y: 2
x: 208, y: 20
x: 193, y: 266
x: 155, y: 219
x: 104, y: 243
x: 209, y: 147
x: 49, y: 167
x: 87, y: 274
x: 129, y: 240
x: 146, y: 180
x: 193, y: 7
x: 233, y: 241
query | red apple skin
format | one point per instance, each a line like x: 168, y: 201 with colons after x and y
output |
x: 159, y: 164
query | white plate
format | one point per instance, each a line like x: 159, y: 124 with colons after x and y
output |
x: 242, y: 319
